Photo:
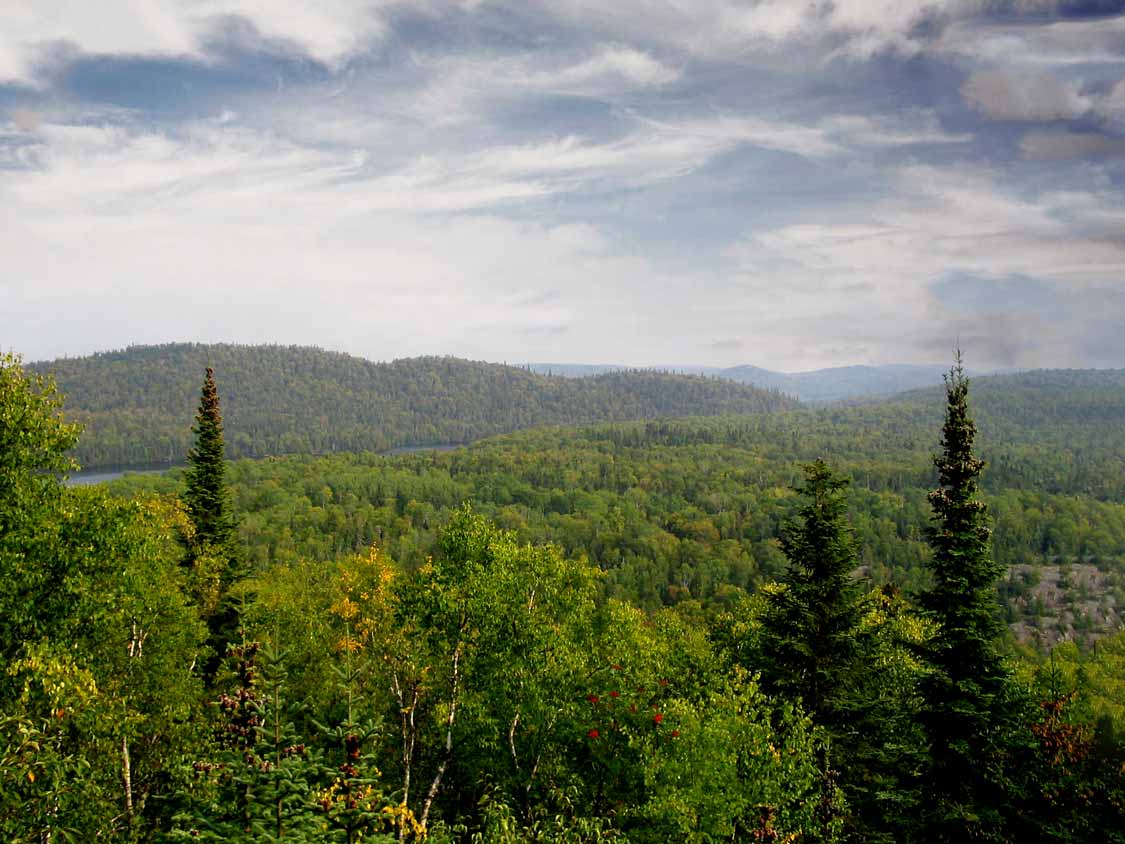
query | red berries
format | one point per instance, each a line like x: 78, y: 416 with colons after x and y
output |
x: 593, y: 734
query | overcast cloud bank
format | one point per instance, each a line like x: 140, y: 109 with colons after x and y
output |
x: 717, y: 182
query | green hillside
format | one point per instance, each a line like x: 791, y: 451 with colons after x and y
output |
x: 690, y: 509
x: 573, y: 634
x: 838, y: 383
x: 137, y: 404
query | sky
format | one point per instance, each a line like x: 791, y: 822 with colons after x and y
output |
x: 786, y: 183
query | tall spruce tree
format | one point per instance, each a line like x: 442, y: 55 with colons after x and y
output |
x: 206, y: 496
x: 809, y: 639
x: 968, y: 696
x: 813, y: 648
x: 212, y: 556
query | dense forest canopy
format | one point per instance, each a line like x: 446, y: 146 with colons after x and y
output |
x: 819, y: 385
x: 675, y: 630
x: 136, y: 404
x: 689, y: 509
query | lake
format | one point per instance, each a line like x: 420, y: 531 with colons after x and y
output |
x: 101, y: 476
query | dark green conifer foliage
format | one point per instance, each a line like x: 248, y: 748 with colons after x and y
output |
x: 809, y: 640
x: 212, y: 554
x: 355, y: 808
x: 206, y: 497
x: 814, y: 647
x: 262, y: 786
x: 968, y: 695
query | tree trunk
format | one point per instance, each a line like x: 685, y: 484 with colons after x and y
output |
x: 127, y: 780
x: 436, y: 784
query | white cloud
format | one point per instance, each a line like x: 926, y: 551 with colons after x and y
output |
x: 728, y: 131
x: 863, y: 275
x: 1032, y: 43
x: 219, y: 232
x: 328, y: 31
x: 445, y: 199
x: 1056, y: 145
x: 464, y: 88
x: 1112, y: 105
x: 713, y: 29
x: 1004, y: 95
x: 833, y: 135
x: 905, y: 128
x: 938, y: 221
x: 610, y: 67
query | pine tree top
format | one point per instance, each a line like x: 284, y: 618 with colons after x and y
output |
x: 206, y: 494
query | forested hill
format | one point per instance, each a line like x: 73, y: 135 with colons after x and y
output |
x: 838, y: 383
x: 1073, y: 419
x: 137, y: 404
x: 690, y: 509
x: 1041, y: 398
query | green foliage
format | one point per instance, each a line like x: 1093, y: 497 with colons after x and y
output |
x: 821, y: 642
x: 733, y: 769
x: 212, y: 557
x: 290, y: 399
x: 99, y: 643
x: 969, y: 701
x: 205, y: 495
x: 1074, y: 780
x: 46, y: 786
x: 572, y: 658
x: 33, y: 435
x: 809, y: 642
x: 354, y: 805
x: 260, y: 788
x: 674, y: 512
x: 33, y: 441
x: 109, y: 688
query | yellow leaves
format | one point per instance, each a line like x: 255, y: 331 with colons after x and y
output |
x: 349, y: 644
x: 366, y: 601
x: 404, y: 819
x: 347, y: 609
x: 342, y: 797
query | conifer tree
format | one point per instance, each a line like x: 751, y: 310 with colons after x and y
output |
x: 817, y: 646
x: 261, y: 787
x: 212, y: 556
x: 810, y: 647
x: 809, y: 641
x: 206, y: 497
x: 968, y: 700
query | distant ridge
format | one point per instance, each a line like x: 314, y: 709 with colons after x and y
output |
x: 137, y: 404
x: 836, y: 383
